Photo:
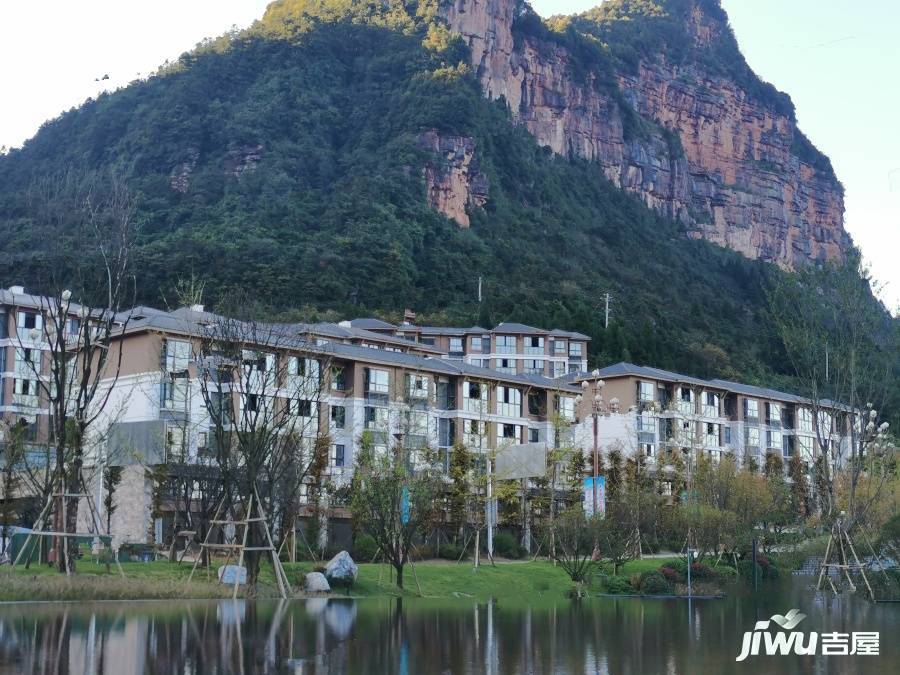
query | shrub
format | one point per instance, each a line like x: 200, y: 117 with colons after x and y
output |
x: 506, y: 546
x: 763, y: 560
x: 670, y: 575
x: 654, y: 583
x: 701, y: 572
x: 678, y: 565
x: 617, y: 585
x: 635, y: 581
x: 364, y: 548
x: 422, y: 552
x: 726, y: 572
x: 449, y: 552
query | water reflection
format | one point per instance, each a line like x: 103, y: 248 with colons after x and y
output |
x: 422, y: 636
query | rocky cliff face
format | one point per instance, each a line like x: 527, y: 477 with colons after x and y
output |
x: 732, y: 179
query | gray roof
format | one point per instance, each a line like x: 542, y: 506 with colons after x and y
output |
x: 451, y: 330
x: 625, y: 369
x: 369, y: 323
x: 556, y: 332
x: 513, y: 327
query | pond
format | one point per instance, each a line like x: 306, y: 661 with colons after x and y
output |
x: 601, y: 635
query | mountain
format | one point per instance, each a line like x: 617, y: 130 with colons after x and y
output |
x: 345, y: 157
x: 660, y: 96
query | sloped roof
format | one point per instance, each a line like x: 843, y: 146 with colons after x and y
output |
x: 370, y: 323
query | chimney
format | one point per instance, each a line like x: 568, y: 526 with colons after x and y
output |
x: 17, y: 290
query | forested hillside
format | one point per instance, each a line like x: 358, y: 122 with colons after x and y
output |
x: 288, y: 160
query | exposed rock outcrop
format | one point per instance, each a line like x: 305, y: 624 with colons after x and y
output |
x: 454, y: 183
x: 708, y: 154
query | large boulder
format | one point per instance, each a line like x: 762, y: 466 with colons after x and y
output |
x: 316, y: 583
x: 341, y: 570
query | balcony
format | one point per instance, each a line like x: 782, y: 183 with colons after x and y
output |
x: 25, y: 400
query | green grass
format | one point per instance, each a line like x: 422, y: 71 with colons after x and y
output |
x: 157, y: 580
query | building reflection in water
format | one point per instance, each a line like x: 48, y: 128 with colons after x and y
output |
x: 408, y: 636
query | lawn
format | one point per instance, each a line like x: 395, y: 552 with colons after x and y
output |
x: 436, y: 579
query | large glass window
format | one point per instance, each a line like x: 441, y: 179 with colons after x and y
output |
x: 475, y: 396
x: 646, y: 391
x: 376, y: 381
x: 456, y: 345
x: 509, y: 401
x: 534, y: 344
x: 506, y: 344
x: 176, y: 355
x: 751, y: 409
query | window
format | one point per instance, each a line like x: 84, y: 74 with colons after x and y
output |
x: 686, y: 395
x: 805, y: 447
x: 426, y: 341
x: 712, y: 399
x: 476, y: 343
x: 559, y: 347
x: 559, y: 369
x: 773, y: 440
x: 456, y: 345
x: 566, y: 408
x: 535, y: 406
x: 174, y: 443
x: 376, y: 381
x: 338, y: 416
x: 475, y: 396
x: 773, y: 413
x: 507, y: 366
x: 220, y: 408
x: 416, y: 386
x: 646, y: 392
x: 805, y: 420
x: 575, y: 350
x: 202, y: 441
x: 509, y: 402
x: 29, y: 320
x: 376, y: 418
x: 303, y: 407
x: 173, y: 392
x: 533, y: 366
x: 338, y: 378
x: 25, y: 392
x: 534, y: 435
x: 506, y: 344
x: 726, y: 435
x: 753, y: 437
x: 4, y: 326
x: 507, y: 433
x: 338, y: 455
x: 176, y: 355
x: 27, y: 361
x: 751, y: 409
x: 416, y: 424
x: 257, y: 362
x: 534, y: 344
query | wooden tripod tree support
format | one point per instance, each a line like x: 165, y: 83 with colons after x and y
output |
x: 835, y: 549
x: 38, y: 530
x: 233, y: 547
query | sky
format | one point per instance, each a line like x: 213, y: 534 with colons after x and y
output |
x: 837, y: 60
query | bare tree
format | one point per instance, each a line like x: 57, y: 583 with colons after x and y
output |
x: 842, y: 348
x: 70, y: 346
x: 262, y: 387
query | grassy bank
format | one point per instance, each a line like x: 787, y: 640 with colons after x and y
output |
x: 433, y: 579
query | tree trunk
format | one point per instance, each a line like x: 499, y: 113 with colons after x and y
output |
x: 399, y: 569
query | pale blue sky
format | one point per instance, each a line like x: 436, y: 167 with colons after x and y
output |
x: 837, y: 60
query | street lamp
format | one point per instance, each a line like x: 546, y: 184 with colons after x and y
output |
x: 597, y: 409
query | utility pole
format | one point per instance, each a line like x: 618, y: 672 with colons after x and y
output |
x: 479, y: 288
x: 606, y: 313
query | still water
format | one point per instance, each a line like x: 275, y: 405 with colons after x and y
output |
x: 422, y: 636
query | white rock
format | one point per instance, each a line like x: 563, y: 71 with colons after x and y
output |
x: 316, y: 583
x: 228, y: 573
x: 341, y: 569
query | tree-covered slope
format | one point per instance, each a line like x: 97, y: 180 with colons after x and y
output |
x: 287, y: 160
